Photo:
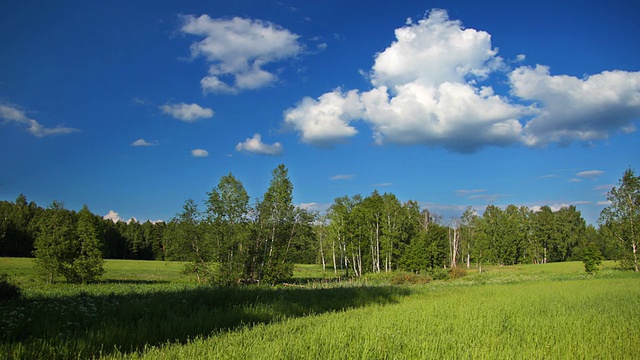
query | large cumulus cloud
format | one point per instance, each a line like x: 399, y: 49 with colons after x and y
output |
x: 426, y: 89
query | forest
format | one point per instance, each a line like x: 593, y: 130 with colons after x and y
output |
x: 232, y: 241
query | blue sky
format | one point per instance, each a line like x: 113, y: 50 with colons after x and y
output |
x: 133, y: 107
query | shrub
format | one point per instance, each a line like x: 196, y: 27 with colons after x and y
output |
x: 8, y: 290
x: 404, y: 278
x: 457, y: 272
x: 591, y: 258
x: 438, y: 273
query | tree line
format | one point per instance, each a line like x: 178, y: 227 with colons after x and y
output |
x: 233, y: 241
x: 21, y: 222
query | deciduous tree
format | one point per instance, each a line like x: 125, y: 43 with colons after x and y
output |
x: 621, y: 218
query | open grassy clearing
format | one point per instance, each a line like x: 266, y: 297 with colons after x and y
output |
x: 150, y: 310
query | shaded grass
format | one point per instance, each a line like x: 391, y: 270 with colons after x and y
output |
x: 582, y: 318
x: 150, y: 310
x: 94, y: 322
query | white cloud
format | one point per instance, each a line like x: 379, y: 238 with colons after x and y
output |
x: 426, y: 94
x: 325, y: 121
x: 453, y: 115
x: 238, y: 50
x: 464, y: 192
x: 187, y: 112
x: 12, y: 113
x: 199, y: 153
x: 382, y: 184
x: 113, y: 216
x: 553, y: 207
x: 342, y: 177
x: 573, y: 109
x: 590, y: 174
x: 434, y: 51
x: 143, y: 142
x: 604, y: 188
x: 255, y: 145
x: 489, y: 198
x: 427, y: 90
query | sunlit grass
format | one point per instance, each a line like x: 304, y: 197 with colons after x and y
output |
x: 151, y: 310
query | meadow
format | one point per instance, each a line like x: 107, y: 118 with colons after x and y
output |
x: 149, y: 310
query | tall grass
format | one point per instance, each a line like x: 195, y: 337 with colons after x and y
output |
x: 577, y: 319
x: 150, y: 310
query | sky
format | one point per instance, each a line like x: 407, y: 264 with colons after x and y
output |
x: 133, y: 107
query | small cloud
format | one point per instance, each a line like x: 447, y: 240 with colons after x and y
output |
x: 490, y: 198
x: 604, y: 188
x: 199, y: 153
x: 590, y: 174
x: 113, y: 216
x: 550, y: 176
x: 187, y: 112
x: 138, y: 101
x: 14, y: 114
x: 464, y: 192
x: 604, y: 203
x: 312, y: 206
x: 256, y: 146
x: 382, y: 185
x: 553, y: 207
x: 143, y: 142
x: 575, y: 180
x: 520, y: 57
x: 342, y: 177
x: 238, y: 51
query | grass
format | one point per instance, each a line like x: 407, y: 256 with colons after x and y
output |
x: 150, y: 310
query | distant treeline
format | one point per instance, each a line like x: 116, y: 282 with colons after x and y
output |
x: 355, y: 236
x: 359, y: 235
x: 19, y: 226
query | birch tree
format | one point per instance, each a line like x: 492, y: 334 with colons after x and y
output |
x: 621, y: 218
x: 227, y: 215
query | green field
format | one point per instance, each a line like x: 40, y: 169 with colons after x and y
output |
x: 147, y: 309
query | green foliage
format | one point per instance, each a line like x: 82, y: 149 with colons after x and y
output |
x: 277, y: 227
x: 438, y: 273
x: 227, y: 216
x: 409, y: 278
x: 185, y: 241
x: 621, y: 219
x: 426, y: 251
x: 8, y: 289
x: 592, y: 258
x: 68, y: 247
x: 457, y: 272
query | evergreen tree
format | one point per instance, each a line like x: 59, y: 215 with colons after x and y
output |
x: 185, y: 241
x: 54, y: 244
x: 67, y: 244
x: 87, y: 265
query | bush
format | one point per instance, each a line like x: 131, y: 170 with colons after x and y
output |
x: 591, y: 258
x: 410, y: 278
x: 8, y: 290
x: 457, y: 272
x: 438, y: 273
